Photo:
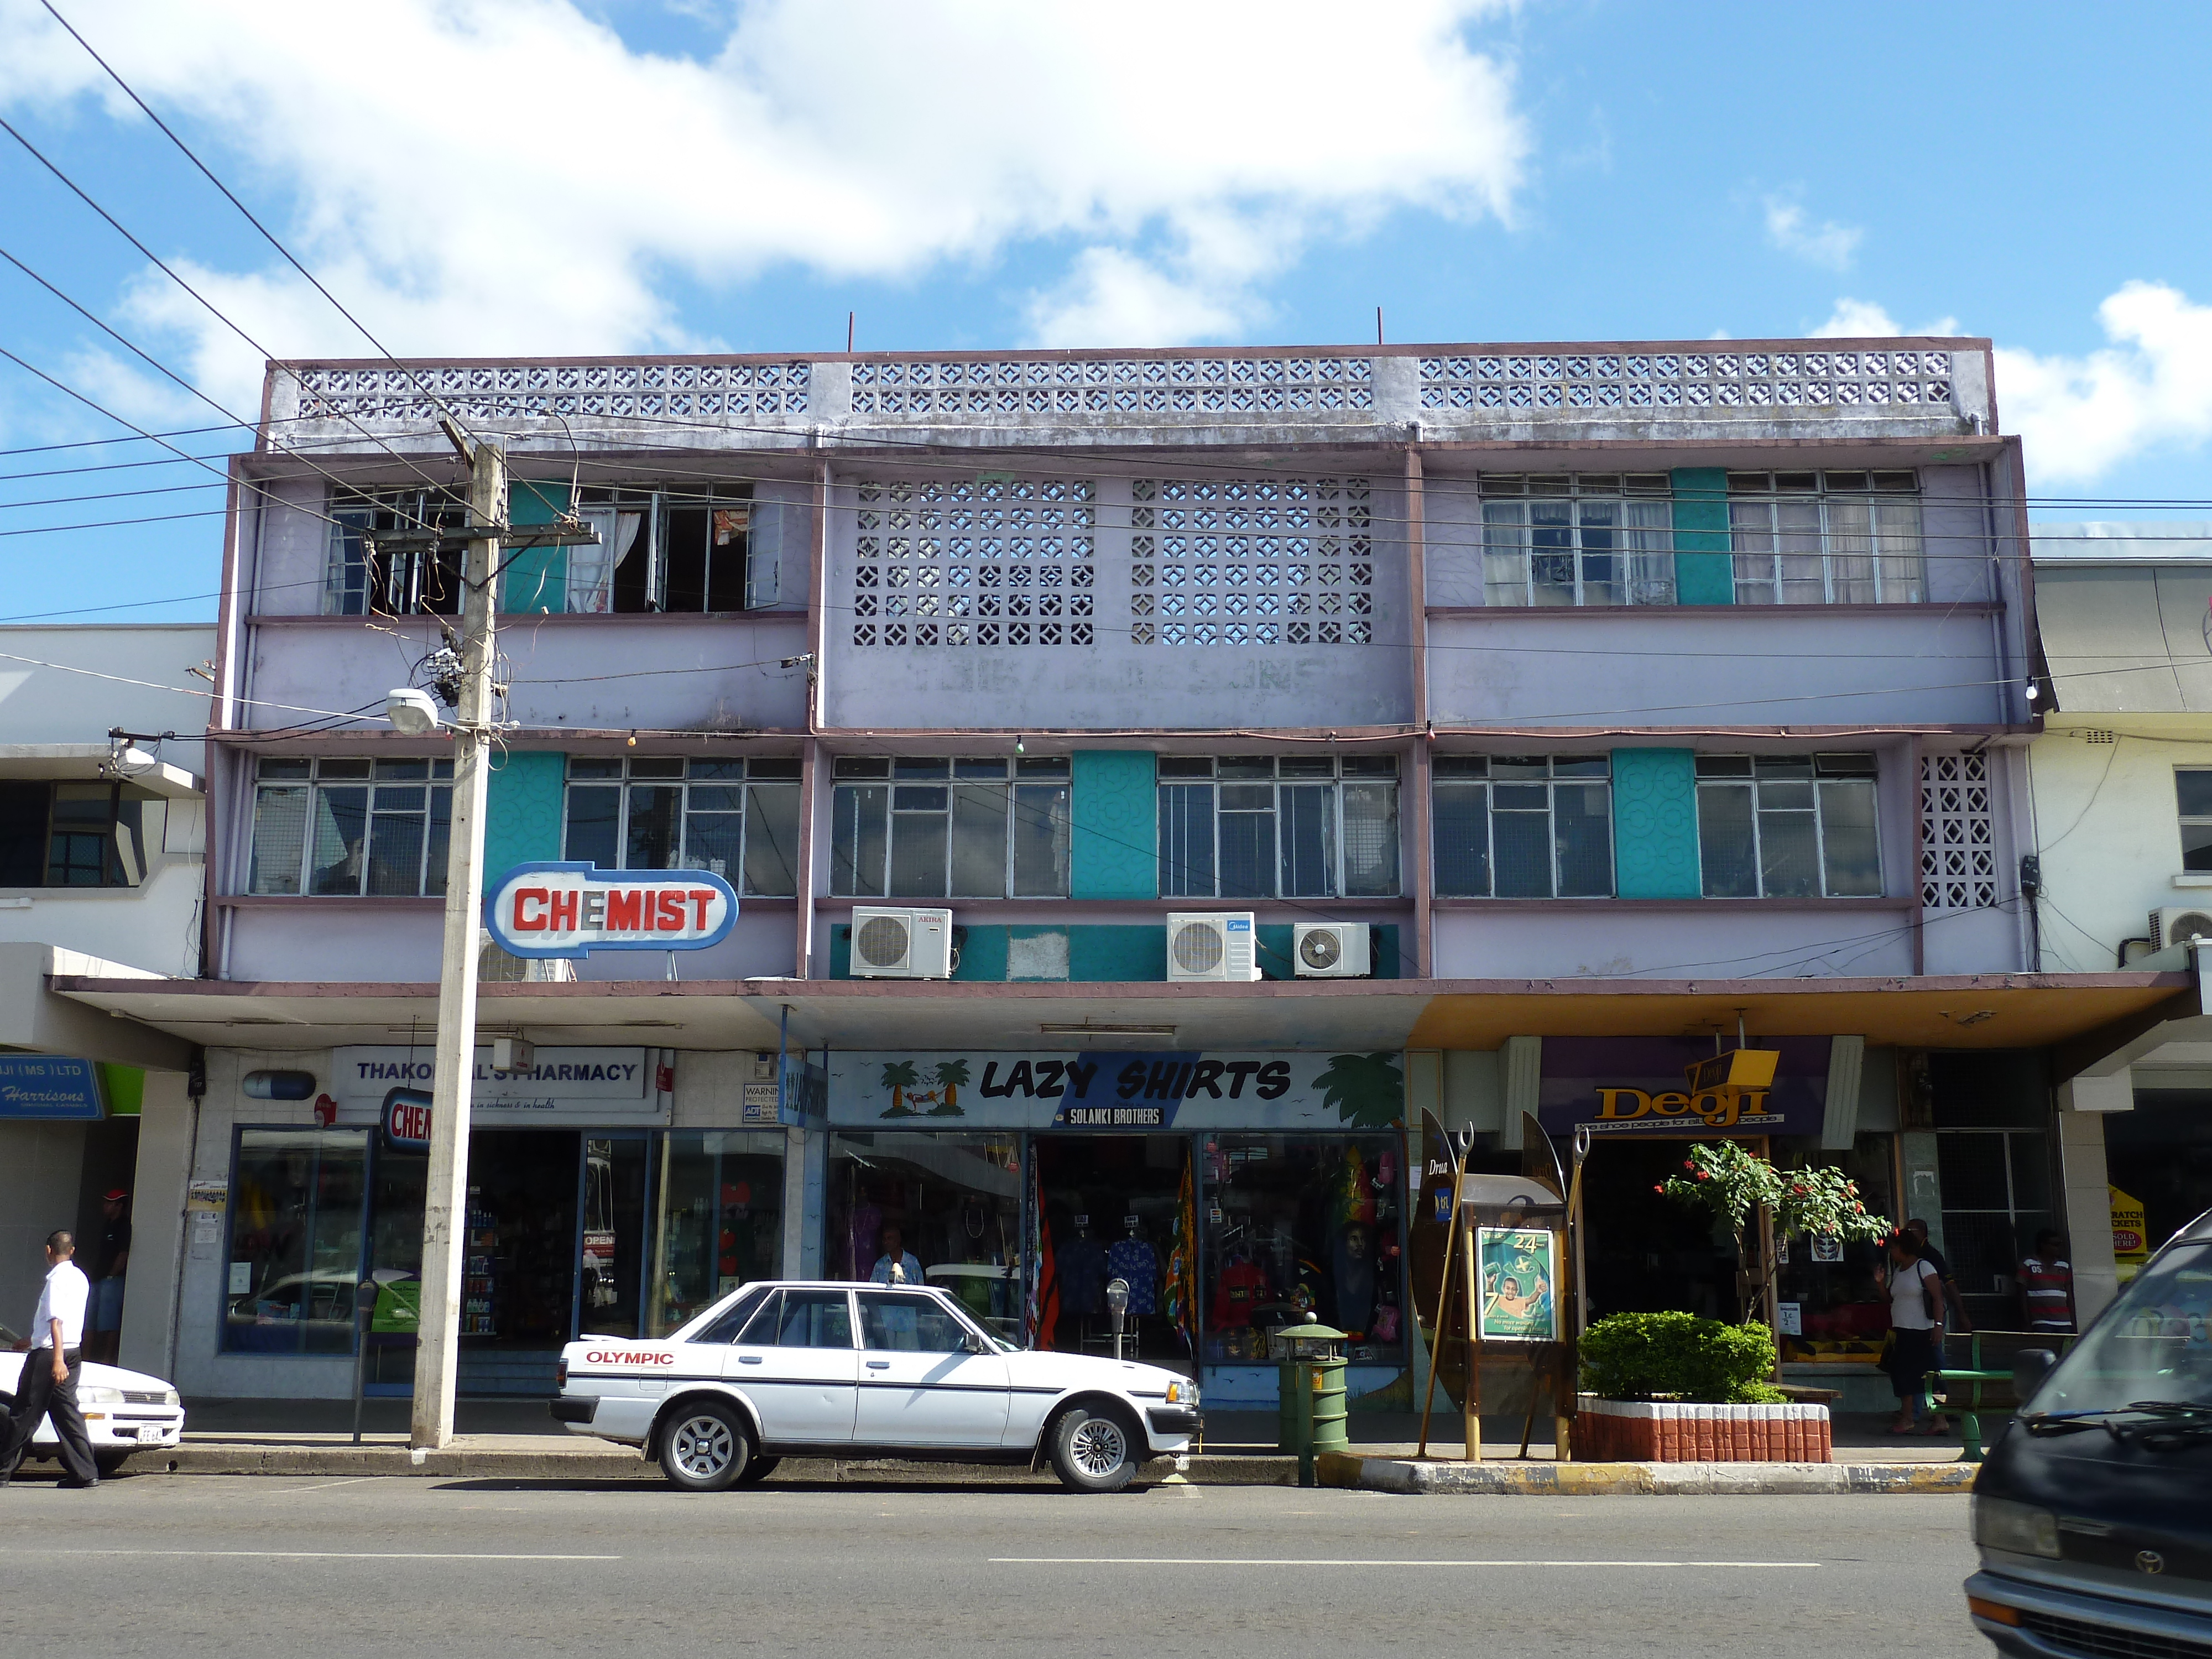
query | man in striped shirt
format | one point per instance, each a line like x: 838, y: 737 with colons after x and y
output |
x: 2047, y: 1284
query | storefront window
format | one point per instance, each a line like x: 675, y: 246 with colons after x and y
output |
x: 1110, y: 1205
x: 1829, y: 1289
x: 611, y: 1265
x: 952, y: 1202
x: 1299, y: 1223
x: 720, y: 1222
x: 295, y: 1241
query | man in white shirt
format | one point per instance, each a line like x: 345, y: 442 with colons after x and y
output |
x: 47, y: 1387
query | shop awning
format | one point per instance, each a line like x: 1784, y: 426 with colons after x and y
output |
x: 2019, y: 1010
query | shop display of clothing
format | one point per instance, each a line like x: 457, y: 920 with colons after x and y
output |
x: 1083, y: 1276
x: 1135, y: 1261
x: 1352, y: 1261
x: 1242, y: 1285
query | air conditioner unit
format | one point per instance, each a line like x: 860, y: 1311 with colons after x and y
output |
x: 1332, y: 950
x: 901, y: 944
x: 2170, y: 924
x: 1215, y: 944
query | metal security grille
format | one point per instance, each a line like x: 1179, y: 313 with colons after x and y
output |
x: 988, y: 564
x: 1252, y: 561
x: 1957, y: 835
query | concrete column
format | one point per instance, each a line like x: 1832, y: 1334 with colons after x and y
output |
x: 2087, y: 1207
x: 157, y: 1226
x: 1840, y: 1124
x: 1473, y: 1097
x: 795, y: 1203
x: 1425, y: 1092
x: 1922, y: 1193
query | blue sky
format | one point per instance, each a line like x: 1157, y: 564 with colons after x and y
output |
x: 542, y: 176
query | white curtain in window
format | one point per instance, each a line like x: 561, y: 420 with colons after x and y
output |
x: 592, y: 567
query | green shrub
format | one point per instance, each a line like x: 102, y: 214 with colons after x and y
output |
x: 1640, y: 1356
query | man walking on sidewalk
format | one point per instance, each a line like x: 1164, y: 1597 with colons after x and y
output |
x: 47, y: 1387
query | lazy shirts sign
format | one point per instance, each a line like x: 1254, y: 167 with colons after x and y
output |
x: 572, y: 909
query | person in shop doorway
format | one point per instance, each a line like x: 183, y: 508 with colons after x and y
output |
x: 47, y: 1387
x: 896, y: 1254
x: 1916, y: 1333
x: 2047, y: 1284
x: 104, y: 1341
x: 1953, y: 1301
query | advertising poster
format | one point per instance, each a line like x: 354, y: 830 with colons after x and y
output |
x: 1519, y: 1271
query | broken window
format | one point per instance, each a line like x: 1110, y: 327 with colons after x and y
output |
x: 699, y: 549
x: 361, y: 578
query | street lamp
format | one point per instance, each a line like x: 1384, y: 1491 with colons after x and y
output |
x: 1117, y: 1304
x: 411, y: 711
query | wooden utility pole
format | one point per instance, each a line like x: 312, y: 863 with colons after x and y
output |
x: 445, y: 1193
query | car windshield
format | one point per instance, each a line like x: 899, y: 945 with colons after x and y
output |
x: 2156, y: 1346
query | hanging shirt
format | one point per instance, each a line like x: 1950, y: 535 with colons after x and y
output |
x: 1239, y: 1289
x: 1082, y: 1278
x: 1134, y: 1260
x: 2047, y: 1287
x: 882, y: 1272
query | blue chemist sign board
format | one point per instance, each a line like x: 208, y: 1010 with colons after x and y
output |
x: 49, y: 1087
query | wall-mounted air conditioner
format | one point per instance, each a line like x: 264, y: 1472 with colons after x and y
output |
x: 1214, y: 944
x: 890, y: 944
x: 2171, y: 924
x: 1332, y: 950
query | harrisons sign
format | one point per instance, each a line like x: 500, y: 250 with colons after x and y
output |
x: 1113, y: 1093
x: 563, y: 909
x: 602, y: 1086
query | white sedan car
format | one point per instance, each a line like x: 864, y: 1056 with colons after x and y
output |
x: 807, y: 1368
x: 123, y: 1411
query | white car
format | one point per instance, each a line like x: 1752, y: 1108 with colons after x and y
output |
x: 123, y: 1411
x: 790, y: 1368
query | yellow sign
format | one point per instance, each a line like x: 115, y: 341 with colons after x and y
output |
x: 2130, y: 1233
x: 1718, y: 1108
x: 1738, y: 1068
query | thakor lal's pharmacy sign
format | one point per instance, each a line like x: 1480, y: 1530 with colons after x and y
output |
x: 564, y: 909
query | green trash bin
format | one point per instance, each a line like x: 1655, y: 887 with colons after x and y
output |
x: 1312, y: 1356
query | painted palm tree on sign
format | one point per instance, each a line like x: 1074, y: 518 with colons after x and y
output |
x: 1368, y: 1091
x: 951, y: 1076
x: 899, y: 1076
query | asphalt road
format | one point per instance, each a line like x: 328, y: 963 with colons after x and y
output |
x: 244, y: 1566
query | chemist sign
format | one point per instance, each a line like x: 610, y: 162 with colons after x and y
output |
x: 563, y: 910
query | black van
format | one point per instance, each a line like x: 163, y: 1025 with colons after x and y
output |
x: 2093, y: 1513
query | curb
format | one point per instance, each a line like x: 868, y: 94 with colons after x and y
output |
x: 1642, y: 1479
x: 484, y: 1464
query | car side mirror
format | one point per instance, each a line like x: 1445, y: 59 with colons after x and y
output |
x: 977, y: 1345
x: 2029, y: 1367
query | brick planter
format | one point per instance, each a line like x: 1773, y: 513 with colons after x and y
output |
x: 1658, y: 1432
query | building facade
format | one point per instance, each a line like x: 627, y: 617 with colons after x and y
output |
x: 1609, y: 705
x: 102, y: 827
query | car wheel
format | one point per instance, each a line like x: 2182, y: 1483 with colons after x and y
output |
x: 1092, y: 1450
x: 107, y: 1462
x: 705, y: 1447
x: 756, y: 1469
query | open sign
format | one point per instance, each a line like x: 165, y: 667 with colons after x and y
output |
x: 572, y: 909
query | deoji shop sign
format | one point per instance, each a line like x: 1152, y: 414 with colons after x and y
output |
x: 563, y: 909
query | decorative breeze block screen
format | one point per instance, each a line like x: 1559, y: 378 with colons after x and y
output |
x: 1252, y: 561
x: 1958, y: 837
x: 958, y: 563
x: 1688, y: 380
x: 1108, y: 387
x: 677, y: 392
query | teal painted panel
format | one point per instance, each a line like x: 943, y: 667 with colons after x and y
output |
x: 1387, y: 963
x: 982, y: 953
x: 1276, y: 943
x: 1704, y: 572
x: 841, y: 952
x: 1119, y: 953
x: 537, y: 583
x: 1114, y: 816
x: 522, y: 816
x: 1655, y: 823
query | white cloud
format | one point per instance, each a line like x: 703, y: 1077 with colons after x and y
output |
x: 2150, y: 389
x: 486, y: 177
x: 1862, y: 319
x: 1826, y: 243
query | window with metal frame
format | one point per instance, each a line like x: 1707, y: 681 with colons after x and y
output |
x: 1290, y: 826
x: 2192, y: 788
x: 360, y: 580
x: 1577, y: 540
x: 1523, y: 826
x: 932, y: 827
x: 99, y: 833
x: 334, y: 826
x: 736, y: 817
x: 1788, y: 826
x: 1827, y: 537
x: 699, y: 548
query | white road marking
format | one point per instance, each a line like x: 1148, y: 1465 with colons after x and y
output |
x: 320, y: 1555
x: 1291, y: 1561
x: 294, y: 1492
